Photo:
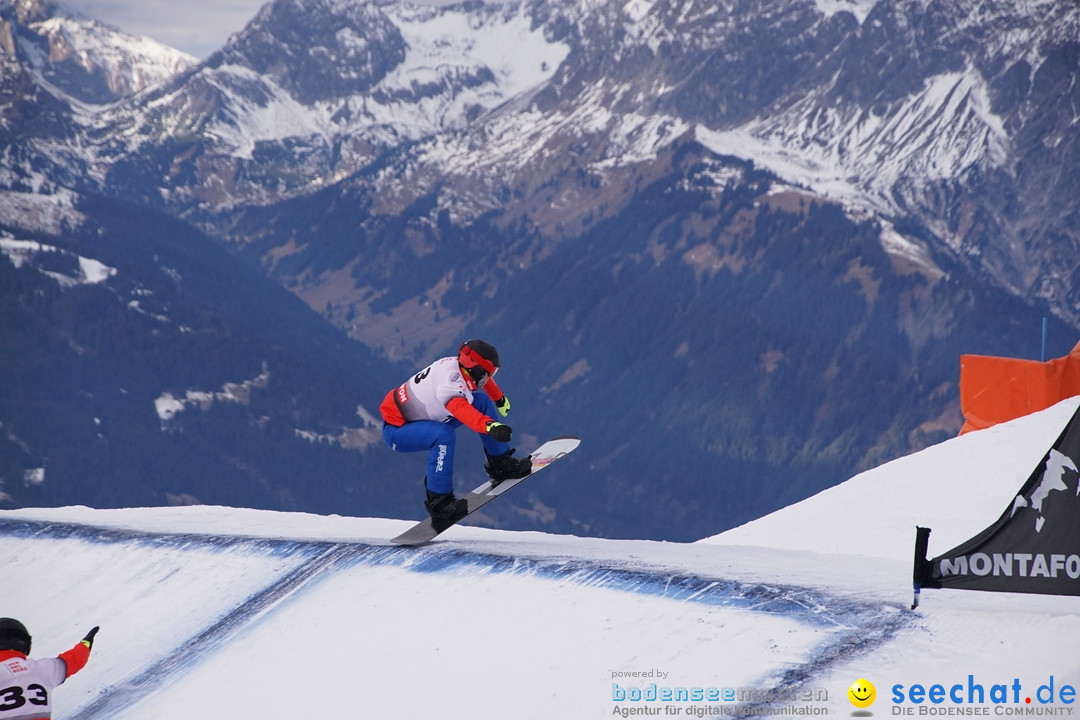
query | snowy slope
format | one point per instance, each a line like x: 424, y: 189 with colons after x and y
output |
x: 215, y: 612
x: 85, y: 61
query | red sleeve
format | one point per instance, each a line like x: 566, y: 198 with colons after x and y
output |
x: 472, y: 418
x: 493, y: 390
x: 75, y: 659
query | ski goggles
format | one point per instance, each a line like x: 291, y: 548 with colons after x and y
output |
x: 480, y: 369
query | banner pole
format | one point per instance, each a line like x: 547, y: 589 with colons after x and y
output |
x: 1044, y: 338
x: 918, y: 569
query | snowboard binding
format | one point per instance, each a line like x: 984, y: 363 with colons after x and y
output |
x: 445, y: 510
x: 507, y: 467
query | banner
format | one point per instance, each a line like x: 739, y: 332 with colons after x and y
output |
x: 996, y: 389
x: 1034, y: 547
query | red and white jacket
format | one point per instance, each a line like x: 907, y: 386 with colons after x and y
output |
x: 439, y: 392
x: 26, y: 685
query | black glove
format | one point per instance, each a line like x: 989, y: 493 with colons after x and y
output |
x: 88, y: 641
x: 499, y: 432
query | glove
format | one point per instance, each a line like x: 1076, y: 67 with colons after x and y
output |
x: 503, y: 406
x: 88, y: 641
x: 498, y: 431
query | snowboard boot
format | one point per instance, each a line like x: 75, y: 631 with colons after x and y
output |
x: 507, y: 467
x: 445, y: 510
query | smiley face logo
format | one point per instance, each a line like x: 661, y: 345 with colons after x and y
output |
x: 862, y: 693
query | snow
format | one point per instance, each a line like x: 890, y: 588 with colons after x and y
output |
x: 168, y: 406
x: 517, y: 53
x: 441, y: 49
x: 909, y: 250
x: 131, y: 63
x: 859, y: 8
x: 25, y: 252
x: 876, y: 160
x: 253, y: 117
x: 223, y: 612
x: 47, y: 209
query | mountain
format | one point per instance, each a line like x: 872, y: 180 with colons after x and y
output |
x: 699, y: 256
x: 80, y: 58
x: 145, y: 365
x: 958, y: 119
x: 788, y: 611
x: 57, y: 70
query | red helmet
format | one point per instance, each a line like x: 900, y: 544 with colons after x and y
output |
x: 479, y: 359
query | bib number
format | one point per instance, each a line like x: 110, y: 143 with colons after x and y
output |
x: 14, y: 697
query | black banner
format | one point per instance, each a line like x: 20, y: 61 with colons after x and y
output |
x: 1034, y: 547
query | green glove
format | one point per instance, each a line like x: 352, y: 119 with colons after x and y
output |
x: 499, y: 431
x: 503, y: 406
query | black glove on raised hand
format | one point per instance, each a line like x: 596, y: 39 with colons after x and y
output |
x: 499, y: 432
x: 88, y: 641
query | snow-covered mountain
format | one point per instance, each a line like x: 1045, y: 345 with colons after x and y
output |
x: 57, y: 71
x: 711, y: 228
x: 310, y: 93
x: 780, y: 616
x: 79, y: 58
x: 958, y: 119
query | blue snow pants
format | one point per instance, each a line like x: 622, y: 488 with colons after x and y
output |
x: 439, y: 438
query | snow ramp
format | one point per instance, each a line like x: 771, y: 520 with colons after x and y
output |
x: 216, y: 625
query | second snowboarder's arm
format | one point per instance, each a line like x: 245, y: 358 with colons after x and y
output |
x: 75, y: 658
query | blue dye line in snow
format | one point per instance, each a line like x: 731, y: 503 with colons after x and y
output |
x: 855, y: 627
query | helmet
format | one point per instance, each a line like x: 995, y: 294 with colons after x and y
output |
x: 480, y: 360
x: 14, y: 636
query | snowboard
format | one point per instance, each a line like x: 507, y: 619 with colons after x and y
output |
x: 426, y: 531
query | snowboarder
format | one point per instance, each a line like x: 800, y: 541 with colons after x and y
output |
x: 424, y: 412
x: 26, y: 685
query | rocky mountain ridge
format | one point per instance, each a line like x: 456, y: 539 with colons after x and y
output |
x: 913, y: 112
x: 705, y: 234
x: 82, y: 59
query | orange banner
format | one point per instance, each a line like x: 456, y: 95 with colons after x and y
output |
x: 996, y: 389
